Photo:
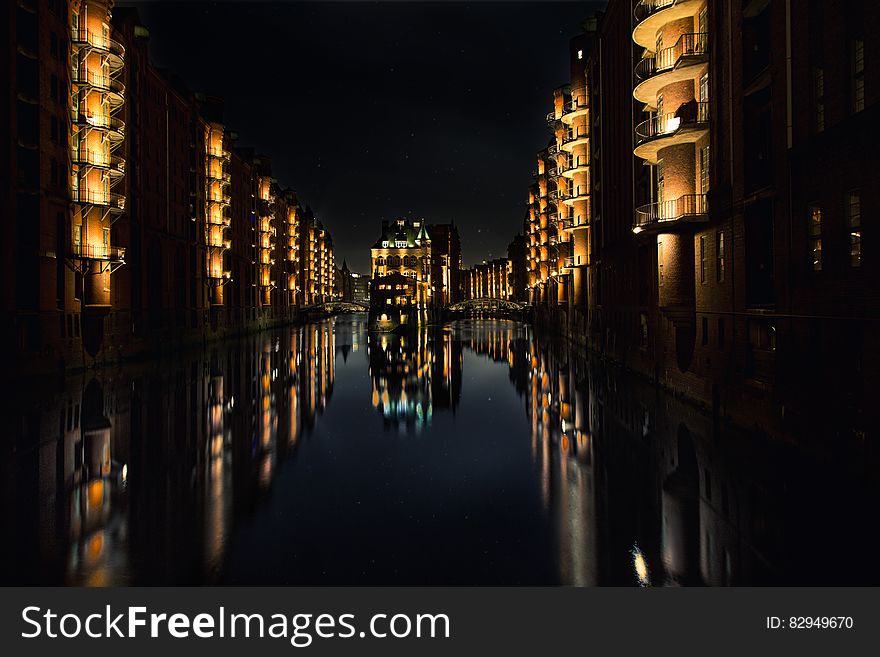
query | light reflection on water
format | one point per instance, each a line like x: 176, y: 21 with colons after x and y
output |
x: 476, y: 454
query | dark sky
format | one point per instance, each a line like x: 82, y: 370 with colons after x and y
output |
x: 378, y: 110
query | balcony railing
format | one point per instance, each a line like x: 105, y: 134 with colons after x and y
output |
x: 687, y: 46
x: 689, y: 115
x: 574, y: 222
x: 97, y: 80
x: 219, y: 153
x: 222, y: 176
x: 574, y: 136
x: 575, y: 105
x: 99, y: 159
x: 104, y: 121
x: 644, y: 8
x: 98, y: 252
x: 84, y: 36
x: 101, y: 198
x: 687, y: 207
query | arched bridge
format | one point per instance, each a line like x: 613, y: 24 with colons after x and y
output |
x: 487, y: 307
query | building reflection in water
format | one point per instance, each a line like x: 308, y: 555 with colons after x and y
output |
x: 109, y: 477
x: 141, y: 476
x: 412, y: 375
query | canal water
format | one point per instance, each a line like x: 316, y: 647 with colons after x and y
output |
x: 477, y: 454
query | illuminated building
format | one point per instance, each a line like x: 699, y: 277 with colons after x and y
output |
x: 265, y: 232
x: 113, y: 161
x: 97, y: 94
x: 218, y: 214
x: 289, y: 250
x: 404, y: 248
x: 488, y: 280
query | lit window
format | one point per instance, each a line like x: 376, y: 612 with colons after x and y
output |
x: 704, y: 169
x: 580, y: 54
x: 854, y: 222
x: 719, y: 256
x: 659, y: 262
x: 815, y: 235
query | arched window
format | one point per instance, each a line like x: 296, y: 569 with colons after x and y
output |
x: 381, y: 261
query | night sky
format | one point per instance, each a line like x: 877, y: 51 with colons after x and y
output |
x: 378, y: 110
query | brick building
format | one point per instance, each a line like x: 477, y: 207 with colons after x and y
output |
x: 133, y: 220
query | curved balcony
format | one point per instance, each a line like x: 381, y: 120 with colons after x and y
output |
x: 551, y: 119
x: 666, y: 215
x: 572, y: 169
x: 651, y: 15
x: 97, y: 252
x: 115, y: 202
x: 575, y: 108
x: 682, y: 61
x: 573, y: 223
x: 113, y: 127
x: 107, y: 84
x: 113, y: 164
x: 115, y: 51
x: 573, y: 139
x: 686, y: 126
x: 576, y: 195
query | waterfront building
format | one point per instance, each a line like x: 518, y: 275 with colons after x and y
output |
x: 488, y: 280
x: 404, y: 247
x: 135, y: 221
x: 730, y: 162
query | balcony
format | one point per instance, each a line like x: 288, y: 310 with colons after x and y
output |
x: 98, y: 252
x: 572, y: 223
x: 682, y: 61
x: 666, y: 215
x: 551, y: 119
x: 221, y: 177
x: 115, y: 52
x: 570, y: 170
x: 113, y: 164
x: 651, y: 15
x: 115, y: 202
x: 217, y: 153
x: 575, y: 108
x: 113, y: 127
x: 686, y: 126
x: 216, y: 198
x: 576, y: 261
x: 99, y: 81
x: 580, y: 193
x: 575, y: 138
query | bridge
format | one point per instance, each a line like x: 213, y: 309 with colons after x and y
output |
x: 335, y: 308
x: 487, y: 307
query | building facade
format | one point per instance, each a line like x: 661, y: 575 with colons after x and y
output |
x: 730, y: 163
x: 134, y: 221
x: 488, y: 280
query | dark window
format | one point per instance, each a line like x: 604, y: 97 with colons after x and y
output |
x: 705, y: 331
x: 759, y: 254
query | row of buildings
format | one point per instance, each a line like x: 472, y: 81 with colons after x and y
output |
x: 131, y: 216
x: 696, y: 211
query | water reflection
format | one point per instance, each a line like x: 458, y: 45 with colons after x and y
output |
x: 534, y: 465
